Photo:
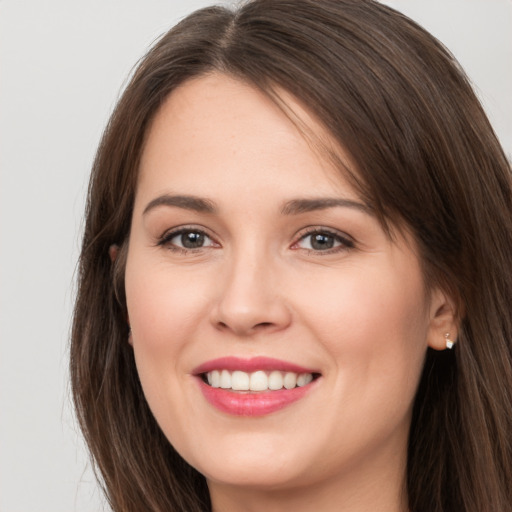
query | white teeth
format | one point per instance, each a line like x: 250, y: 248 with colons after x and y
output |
x: 257, y: 381
x: 275, y: 381
x: 290, y: 380
x: 215, y: 378
x: 225, y: 380
x: 304, y: 378
x: 240, y: 381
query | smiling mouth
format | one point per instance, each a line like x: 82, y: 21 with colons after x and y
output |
x: 257, y: 381
x: 254, y: 387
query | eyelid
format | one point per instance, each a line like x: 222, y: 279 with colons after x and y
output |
x: 346, y: 241
x: 171, y: 233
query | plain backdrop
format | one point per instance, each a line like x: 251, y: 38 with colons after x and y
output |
x: 62, y: 66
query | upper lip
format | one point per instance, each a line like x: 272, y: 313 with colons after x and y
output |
x: 250, y: 365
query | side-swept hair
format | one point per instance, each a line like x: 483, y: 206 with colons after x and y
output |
x: 426, y: 156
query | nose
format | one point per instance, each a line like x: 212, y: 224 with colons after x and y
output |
x: 250, y: 298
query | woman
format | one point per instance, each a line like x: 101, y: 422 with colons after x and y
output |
x: 295, y: 285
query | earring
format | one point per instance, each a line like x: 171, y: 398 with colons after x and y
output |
x: 449, y: 343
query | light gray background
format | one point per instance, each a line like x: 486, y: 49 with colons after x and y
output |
x: 62, y: 65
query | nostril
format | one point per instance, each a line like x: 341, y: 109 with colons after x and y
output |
x: 246, y: 330
x: 263, y: 324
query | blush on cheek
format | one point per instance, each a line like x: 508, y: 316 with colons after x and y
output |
x: 376, y: 320
x: 160, y: 305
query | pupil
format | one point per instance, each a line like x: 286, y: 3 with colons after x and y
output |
x: 322, y: 242
x: 192, y: 240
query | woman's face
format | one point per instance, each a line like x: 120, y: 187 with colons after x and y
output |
x: 254, y: 265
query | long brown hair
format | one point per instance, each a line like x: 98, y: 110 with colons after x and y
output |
x: 398, y: 103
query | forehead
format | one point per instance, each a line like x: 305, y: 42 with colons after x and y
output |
x: 214, y: 128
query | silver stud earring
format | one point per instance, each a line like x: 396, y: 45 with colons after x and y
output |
x: 449, y: 342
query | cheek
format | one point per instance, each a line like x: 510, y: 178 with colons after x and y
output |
x: 162, y: 304
x: 374, y: 326
x: 366, y: 304
x: 162, y: 309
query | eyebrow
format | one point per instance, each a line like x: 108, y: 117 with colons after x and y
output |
x: 293, y: 207
x: 193, y: 203
x: 298, y: 206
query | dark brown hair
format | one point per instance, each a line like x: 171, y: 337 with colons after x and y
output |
x: 426, y: 156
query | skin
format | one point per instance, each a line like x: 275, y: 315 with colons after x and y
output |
x: 357, y: 313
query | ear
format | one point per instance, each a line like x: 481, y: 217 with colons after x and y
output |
x: 113, y: 250
x: 444, y: 324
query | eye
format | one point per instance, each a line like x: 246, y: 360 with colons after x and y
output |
x: 186, y: 239
x: 323, y: 241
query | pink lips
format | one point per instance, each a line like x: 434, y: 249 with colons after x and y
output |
x: 250, y: 365
x: 247, y: 403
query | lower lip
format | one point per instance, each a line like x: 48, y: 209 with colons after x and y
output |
x: 246, y: 403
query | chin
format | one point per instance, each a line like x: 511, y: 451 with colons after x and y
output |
x: 252, y: 462
x: 250, y: 474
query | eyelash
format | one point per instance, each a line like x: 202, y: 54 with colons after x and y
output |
x: 344, y: 242
x: 166, y: 238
